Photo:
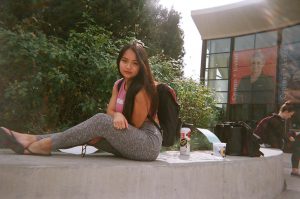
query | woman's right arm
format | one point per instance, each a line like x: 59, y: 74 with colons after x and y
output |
x: 112, y: 102
x: 119, y: 120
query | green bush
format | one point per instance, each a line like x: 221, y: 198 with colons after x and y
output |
x: 48, y: 83
x: 165, y: 69
x: 197, y: 107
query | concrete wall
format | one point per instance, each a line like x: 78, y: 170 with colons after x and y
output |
x: 69, y: 176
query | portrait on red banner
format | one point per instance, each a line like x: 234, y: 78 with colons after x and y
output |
x: 253, y: 75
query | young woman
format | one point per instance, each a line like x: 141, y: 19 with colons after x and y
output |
x: 271, y: 130
x: 124, y: 130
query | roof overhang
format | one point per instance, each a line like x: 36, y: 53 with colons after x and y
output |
x: 245, y: 17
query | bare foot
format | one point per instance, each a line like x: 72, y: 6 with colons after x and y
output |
x: 41, y: 147
x: 23, y: 139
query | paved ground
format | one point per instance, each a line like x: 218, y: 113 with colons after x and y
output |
x: 293, y: 183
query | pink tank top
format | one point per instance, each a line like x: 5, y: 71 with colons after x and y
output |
x: 121, y: 96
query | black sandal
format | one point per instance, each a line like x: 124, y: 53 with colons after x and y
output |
x: 10, y: 141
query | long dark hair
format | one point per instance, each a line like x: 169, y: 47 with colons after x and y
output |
x: 144, y: 79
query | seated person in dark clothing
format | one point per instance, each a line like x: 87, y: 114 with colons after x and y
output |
x: 271, y: 130
x: 256, y: 88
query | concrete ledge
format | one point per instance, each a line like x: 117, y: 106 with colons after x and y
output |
x: 107, y: 177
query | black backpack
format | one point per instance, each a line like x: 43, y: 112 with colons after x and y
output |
x: 250, y: 143
x: 239, y: 139
x: 168, y: 114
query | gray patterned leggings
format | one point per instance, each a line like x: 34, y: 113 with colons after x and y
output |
x: 132, y: 143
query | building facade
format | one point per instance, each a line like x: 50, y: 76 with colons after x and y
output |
x: 251, y: 56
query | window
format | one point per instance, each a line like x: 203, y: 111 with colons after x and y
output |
x: 218, y: 46
x: 244, y: 42
x: 266, y: 39
x: 259, y: 40
x: 231, y: 74
x: 217, y: 67
x: 218, y: 85
x: 216, y: 73
x: 291, y: 34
